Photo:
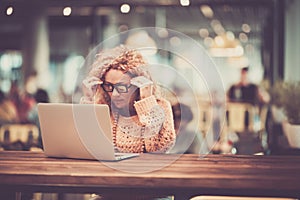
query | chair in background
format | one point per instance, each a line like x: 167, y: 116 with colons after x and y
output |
x: 249, y: 122
x: 242, y: 117
x: 19, y: 136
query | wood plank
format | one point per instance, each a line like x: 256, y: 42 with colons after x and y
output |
x: 227, y: 173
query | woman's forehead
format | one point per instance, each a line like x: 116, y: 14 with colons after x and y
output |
x: 115, y: 76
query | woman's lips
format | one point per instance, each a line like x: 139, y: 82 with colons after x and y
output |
x: 118, y: 101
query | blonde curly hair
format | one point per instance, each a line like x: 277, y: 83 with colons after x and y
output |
x: 120, y: 58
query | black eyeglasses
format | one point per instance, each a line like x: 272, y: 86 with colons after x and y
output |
x: 121, y: 88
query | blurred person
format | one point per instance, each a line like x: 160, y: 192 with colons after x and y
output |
x: 22, y: 101
x: 40, y: 96
x: 8, y: 111
x: 246, y: 92
x: 142, y: 121
x: 249, y: 93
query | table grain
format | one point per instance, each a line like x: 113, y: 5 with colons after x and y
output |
x: 183, y: 176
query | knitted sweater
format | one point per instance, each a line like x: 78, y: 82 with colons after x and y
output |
x: 151, y: 130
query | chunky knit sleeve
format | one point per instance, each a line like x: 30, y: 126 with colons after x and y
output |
x: 157, y: 119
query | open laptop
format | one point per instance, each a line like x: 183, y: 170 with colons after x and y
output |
x: 78, y: 131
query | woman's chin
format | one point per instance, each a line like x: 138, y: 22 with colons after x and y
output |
x: 119, y: 104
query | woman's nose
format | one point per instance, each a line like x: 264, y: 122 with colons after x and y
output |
x: 115, y: 92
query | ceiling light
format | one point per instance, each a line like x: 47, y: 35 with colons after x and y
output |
x: 163, y: 33
x: 217, y: 27
x: 203, y: 32
x: 230, y: 35
x: 67, y: 11
x: 214, y: 22
x: 219, y: 41
x: 243, y: 37
x: 246, y: 28
x: 9, y: 11
x: 175, y: 41
x: 207, y: 11
x: 185, y: 2
x: 125, y: 8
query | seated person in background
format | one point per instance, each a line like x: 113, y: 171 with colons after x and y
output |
x: 247, y: 92
x: 142, y: 121
x: 8, y: 111
x: 40, y: 96
x: 22, y: 100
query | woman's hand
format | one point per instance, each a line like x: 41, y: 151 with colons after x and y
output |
x: 90, y: 85
x: 145, y: 85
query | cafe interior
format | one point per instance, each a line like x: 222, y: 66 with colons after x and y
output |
x: 197, y: 49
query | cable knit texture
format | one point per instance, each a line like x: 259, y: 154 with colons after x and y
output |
x: 158, y: 135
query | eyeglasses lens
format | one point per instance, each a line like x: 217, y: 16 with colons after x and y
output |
x: 119, y: 87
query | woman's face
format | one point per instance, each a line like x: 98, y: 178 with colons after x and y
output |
x: 116, y: 80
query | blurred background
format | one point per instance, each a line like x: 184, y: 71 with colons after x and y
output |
x: 44, y: 42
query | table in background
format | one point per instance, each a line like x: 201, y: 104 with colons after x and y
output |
x: 187, y: 176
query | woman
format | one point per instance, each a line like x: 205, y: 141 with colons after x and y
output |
x: 142, y: 121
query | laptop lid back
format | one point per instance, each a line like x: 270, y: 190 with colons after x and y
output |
x: 76, y: 130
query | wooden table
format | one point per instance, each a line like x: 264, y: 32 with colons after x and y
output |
x: 182, y: 176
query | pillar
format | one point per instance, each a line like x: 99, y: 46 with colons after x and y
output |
x: 35, y: 47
